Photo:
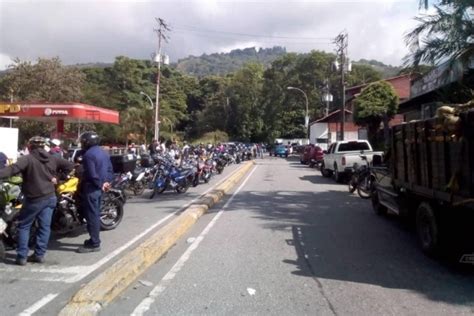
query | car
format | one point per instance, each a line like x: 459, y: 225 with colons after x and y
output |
x: 281, y: 150
x: 312, y: 155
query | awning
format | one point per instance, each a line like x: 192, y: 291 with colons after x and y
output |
x: 65, y: 112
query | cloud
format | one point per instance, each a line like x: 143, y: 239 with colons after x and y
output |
x: 97, y: 31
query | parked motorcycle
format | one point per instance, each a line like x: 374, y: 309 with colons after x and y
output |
x: 362, y: 180
x: 10, y: 204
x: 169, y: 177
x: 67, y: 215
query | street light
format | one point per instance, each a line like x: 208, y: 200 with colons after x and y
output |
x: 156, y: 114
x: 306, y: 118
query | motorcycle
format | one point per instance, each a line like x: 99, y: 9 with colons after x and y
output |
x: 67, y: 215
x: 10, y: 205
x: 362, y: 180
x: 169, y: 177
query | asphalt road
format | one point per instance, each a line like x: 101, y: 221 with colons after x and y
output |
x: 289, y: 242
x: 48, y: 287
x: 285, y: 242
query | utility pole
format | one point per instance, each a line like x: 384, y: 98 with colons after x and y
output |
x: 341, y: 42
x: 162, y: 28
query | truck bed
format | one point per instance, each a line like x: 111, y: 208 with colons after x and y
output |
x: 431, y: 161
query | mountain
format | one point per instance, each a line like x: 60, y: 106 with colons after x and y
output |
x: 387, y: 71
x: 224, y: 63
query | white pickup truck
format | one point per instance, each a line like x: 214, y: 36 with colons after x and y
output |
x: 341, y: 156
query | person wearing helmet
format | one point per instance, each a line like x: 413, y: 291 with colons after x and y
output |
x: 39, y: 170
x: 96, y: 177
x: 55, y: 149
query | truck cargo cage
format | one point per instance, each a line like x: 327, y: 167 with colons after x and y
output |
x: 427, y: 155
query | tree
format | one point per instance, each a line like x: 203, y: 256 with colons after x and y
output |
x: 362, y: 74
x: 46, y: 81
x: 378, y: 102
x: 445, y: 35
x: 246, y: 113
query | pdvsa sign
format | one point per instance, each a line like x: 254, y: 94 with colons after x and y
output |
x: 9, y: 108
x: 51, y: 112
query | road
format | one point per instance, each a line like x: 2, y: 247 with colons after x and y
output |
x: 286, y: 241
x: 291, y: 242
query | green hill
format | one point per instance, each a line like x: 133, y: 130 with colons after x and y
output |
x: 224, y: 63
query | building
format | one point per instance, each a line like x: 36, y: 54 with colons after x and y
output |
x: 327, y: 129
x: 451, y: 82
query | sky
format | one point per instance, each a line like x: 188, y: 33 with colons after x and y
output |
x: 85, y: 31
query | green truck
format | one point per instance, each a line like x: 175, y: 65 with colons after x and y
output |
x: 428, y: 175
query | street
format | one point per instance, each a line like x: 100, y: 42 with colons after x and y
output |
x: 286, y: 241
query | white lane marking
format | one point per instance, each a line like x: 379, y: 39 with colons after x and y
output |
x: 157, y: 290
x: 80, y: 272
x: 36, y: 306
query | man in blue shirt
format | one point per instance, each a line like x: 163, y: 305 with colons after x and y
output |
x: 96, y: 177
x: 3, y: 160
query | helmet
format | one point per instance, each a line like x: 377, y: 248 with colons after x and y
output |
x: 89, y: 139
x: 55, y: 142
x: 36, y: 142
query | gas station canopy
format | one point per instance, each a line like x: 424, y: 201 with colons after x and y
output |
x: 59, y: 112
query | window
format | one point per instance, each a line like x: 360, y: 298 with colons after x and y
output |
x: 354, y: 146
x: 321, y: 140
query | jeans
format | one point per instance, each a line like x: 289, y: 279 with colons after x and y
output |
x: 41, y: 210
x: 90, y: 205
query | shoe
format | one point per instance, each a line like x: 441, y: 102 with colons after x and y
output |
x: 35, y: 259
x: 87, y: 249
x: 87, y: 243
x: 20, y: 261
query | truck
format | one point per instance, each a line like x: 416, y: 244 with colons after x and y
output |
x: 428, y: 176
x: 341, y: 157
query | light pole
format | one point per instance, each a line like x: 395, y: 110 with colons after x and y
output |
x: 156, y: 114
x: 306, y: 118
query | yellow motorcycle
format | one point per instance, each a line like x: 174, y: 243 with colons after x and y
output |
x: 67, y: 215
x: 10, y: 204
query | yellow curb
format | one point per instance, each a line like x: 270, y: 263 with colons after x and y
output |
x: 90, y: 299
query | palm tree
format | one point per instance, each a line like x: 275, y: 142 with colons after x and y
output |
x: 445, y: 35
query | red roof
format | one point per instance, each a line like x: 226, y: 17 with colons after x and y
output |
x: 68, y: 112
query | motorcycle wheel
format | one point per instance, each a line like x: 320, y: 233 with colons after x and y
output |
x: 111, y: 214
x: 352, y: 184
x: 364, y: 188
x: 138, y: 188
x: 219, y: 169
x: 182, y: 188
x: 196, y: 181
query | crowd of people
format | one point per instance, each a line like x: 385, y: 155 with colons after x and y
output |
x: 40, y: 170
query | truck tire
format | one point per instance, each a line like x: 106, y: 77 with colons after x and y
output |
x: 378, y: 208
x: 325, y: 172
x: 337, y: 175
x: 427, y: 228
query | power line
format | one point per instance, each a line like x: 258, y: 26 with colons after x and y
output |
x: 259, y: 40
x: 198, y: 30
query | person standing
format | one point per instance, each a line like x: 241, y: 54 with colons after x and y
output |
x: 3, y: 160
x: 39, y: 170
x: 56, y: 148
x: 96, y: 177
x: 153, y: 147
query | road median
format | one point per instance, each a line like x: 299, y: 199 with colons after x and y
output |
x: 100, y: 291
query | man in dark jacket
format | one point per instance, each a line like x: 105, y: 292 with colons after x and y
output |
x: 97, y: 173
x: 39, y: 171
